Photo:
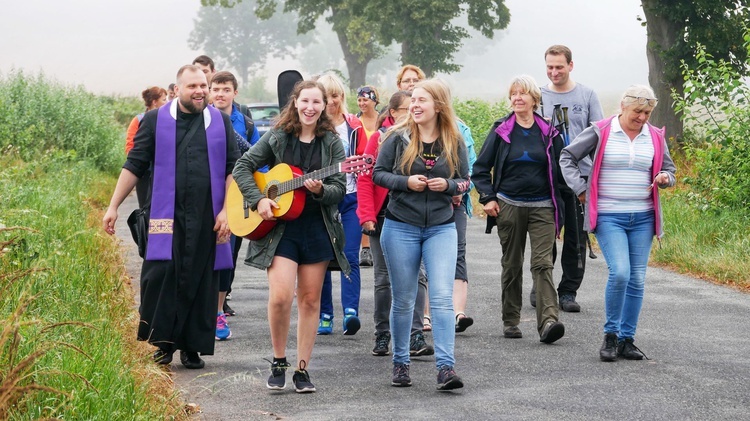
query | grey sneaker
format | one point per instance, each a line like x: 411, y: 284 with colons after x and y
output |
x: 418, y: 346
x: 568, y: 303
x: 447, y: 379
x: 277, y: 381
x: 382, y: 340
x: 512, y: 332
x: 400, y: 375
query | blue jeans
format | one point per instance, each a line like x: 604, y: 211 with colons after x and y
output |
x: 350, y: 288
x: 625, y: 240
x: 404, y: 247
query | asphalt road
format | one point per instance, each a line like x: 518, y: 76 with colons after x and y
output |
x: 695, y: 333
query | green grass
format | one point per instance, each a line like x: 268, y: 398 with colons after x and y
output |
x: 707, y: 244
x: 90, y: 366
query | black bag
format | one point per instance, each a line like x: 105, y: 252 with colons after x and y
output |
x: 138, y: 223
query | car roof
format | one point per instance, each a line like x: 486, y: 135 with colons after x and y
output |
x: 263, y: 105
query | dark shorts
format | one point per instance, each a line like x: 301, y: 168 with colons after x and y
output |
x: 306, y: 240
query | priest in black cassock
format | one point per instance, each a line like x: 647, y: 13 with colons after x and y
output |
x: 192, y: 151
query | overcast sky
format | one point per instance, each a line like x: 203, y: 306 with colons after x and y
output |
x: 123, y: 46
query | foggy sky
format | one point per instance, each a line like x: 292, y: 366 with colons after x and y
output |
x: 122, y: 47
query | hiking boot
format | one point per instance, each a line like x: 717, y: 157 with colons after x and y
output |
x: 552, y: 331
x: 277, y: 381
x: 162, y: 357
x: 351, y: 321
x: 568, y: 303
x: 532, y: 297
x: 191, y: 360
x: 325, y: 326
x: 512, y: 332
x: 222, y: 328
x: 365, y: 257
x: 382, y: 340
x: 301, y: 379
x: 228, y: 310
x: 400, y: 375
x: 418, y: 346
x: 447, y: 379
x: 608, y: 351
x: 627, y: 349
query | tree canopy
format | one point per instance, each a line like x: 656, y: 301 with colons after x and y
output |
x: 675, y: 28
x: 238, y: 39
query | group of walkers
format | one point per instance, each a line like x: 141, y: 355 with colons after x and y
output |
x: 535, y: 174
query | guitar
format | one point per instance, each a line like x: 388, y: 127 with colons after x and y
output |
x: 282, y: 184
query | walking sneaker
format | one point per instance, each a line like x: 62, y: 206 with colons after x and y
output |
x: 447, y: 379
x: 382, y: 340
x: 418, y: 346
x: 400, y: 375
x: 351, y: 321
x: 608, y: 351
x: 222, y: 328
x: 301, y: 379
x: 277, y: 381
x: 627, y: 349
x: 325, y: 327
x: 568, y: 303
x: 365, y: 257
x: 228, y: 310
x: 552, y: 331
x: 512, y: 332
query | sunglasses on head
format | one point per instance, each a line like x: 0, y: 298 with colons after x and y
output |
x: 367, y: 92
x: 643, y: 101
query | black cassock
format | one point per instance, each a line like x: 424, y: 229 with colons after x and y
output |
x: 179, y: 297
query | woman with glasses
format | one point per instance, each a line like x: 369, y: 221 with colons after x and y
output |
x: 631, y: 162
x: 352, y: 134
x: 408, y: 76
x: 423, y: 162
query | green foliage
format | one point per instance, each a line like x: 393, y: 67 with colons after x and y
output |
x: 124, y: 108
x: 428, y: 32
x: 715, y: 105
x: 38, y: 115
x: 76, y: 332
x: 236, y: 38
x: 479, y: 116
x: 255, y: 91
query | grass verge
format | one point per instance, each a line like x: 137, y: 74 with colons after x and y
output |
x: 68, y: 346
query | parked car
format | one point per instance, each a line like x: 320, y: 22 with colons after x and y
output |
x: 264, y: 116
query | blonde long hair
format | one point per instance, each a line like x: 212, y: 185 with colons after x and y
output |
x: 449, y: 136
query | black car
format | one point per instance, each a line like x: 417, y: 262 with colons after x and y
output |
x: 264, y: 116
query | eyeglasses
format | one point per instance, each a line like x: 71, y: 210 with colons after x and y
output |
x: 402, y: 109
x: 413, y: 80
x: 643, y: 101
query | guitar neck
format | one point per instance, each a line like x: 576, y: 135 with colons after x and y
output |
x: 298, y: 182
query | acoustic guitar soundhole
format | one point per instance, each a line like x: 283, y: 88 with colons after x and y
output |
x: 272, y: 192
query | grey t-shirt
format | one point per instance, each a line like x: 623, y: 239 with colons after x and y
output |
x: 583, y: 109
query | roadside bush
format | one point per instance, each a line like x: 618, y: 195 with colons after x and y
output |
x: 715, y: 107
x: 479, y: 116
x: 38, y: 115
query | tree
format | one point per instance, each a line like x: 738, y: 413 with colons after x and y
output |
x: 674, y: 28
x: 236, y: 38
x: 427, y: 29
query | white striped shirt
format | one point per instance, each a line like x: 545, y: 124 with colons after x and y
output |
x: 625, y: 174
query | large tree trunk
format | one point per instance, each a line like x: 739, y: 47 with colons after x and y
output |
x: 661, y: 35
x: 357, y: 71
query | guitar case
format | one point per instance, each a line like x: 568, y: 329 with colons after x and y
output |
x: 285, y: 85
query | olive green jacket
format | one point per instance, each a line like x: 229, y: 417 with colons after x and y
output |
x: 270, y: 151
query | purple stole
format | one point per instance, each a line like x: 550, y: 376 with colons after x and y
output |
x: 161, y: 223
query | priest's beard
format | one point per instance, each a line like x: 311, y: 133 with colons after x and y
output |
x: 192, y: 108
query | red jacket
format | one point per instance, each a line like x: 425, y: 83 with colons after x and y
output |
x: 370, y: 197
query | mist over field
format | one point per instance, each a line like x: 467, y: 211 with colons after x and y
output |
x: 123, y: 47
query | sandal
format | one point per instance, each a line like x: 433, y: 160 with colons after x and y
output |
x: 427, y: 324
x: 463, y: 322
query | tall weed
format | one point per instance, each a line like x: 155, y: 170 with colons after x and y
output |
x: 38, y: 115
